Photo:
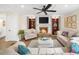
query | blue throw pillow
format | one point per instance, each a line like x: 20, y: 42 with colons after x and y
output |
x: 22, y: 50
x: 75, y: 47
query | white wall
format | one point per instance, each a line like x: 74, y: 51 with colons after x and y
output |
x: 61, y: 23
x: 2, y: 28
x: 22, y: 22
x: 12, y: 27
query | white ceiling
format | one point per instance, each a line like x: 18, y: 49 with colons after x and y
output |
x: 28, y: 8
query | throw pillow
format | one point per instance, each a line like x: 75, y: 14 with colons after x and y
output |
x: 65, y: 33
x: 75, y: 48
x: 22, y: 50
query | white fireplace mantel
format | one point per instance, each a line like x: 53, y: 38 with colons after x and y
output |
x: 48, y: 25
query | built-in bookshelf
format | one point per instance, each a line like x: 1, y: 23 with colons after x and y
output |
x: 55, y: 25
x: 32, y: 23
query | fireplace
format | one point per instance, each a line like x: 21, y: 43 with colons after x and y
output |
x: 44, y: 30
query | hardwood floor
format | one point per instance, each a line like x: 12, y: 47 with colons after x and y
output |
x: 5, y: 44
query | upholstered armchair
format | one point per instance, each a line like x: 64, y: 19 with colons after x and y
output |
x: 30, y: 33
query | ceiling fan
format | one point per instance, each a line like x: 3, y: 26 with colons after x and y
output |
x: 45, y: 9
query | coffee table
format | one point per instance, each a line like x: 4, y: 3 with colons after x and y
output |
x: 45, y: 42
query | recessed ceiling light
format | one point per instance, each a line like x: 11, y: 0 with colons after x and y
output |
x: 22, y: 6
x: 66, y: 5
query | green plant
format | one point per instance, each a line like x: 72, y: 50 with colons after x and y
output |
x: 21, y: 32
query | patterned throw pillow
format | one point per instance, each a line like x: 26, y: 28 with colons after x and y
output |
x: 22, y: 50
x: 75, y: 48
x: 65, y: 33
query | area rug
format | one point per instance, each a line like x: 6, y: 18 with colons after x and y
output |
x: 34, y: 44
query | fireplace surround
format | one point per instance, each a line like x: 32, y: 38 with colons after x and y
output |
x: 44, y: 30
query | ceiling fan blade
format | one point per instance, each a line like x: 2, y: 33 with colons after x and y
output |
x: 44, y: 6
x: 39, y: 12
x: 45, y: 12
x: 51, y: 10
x: 37, y: 8
x: 48, y: 6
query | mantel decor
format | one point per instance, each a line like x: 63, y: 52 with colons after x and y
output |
x: 70, y: 22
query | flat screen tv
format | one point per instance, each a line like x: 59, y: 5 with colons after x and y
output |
x: 43, y: 20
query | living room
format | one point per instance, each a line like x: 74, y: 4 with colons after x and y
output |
x: 44, y: 29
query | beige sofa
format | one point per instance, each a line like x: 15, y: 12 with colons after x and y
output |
x: 30, y: 33
x: 62, y: 39
x: 65, y: 41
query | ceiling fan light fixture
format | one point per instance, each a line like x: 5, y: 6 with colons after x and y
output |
x: 45, y: 9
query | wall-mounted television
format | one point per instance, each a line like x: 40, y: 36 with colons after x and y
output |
x: 43, y: 20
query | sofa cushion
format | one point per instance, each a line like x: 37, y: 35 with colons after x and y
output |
x: 30, y: 33
x: 23, y: 50
x: 63, y: 38
x: 65, y: 33
x: 72, y: 33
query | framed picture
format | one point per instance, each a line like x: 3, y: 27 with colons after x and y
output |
x: 69, y: 19
x: 74, y: 26
x: 74, y: 18
x: 70, y: 22
x: 74, y: 21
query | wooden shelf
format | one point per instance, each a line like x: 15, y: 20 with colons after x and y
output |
x: 55, y: 26
x: 32, y: 23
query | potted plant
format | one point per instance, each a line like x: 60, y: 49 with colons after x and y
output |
x: 21, y: 34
